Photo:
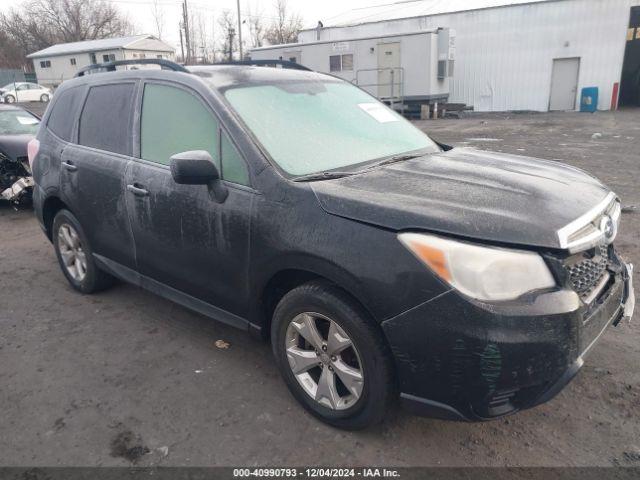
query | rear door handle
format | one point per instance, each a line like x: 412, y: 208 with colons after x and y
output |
x: 137, y: 190
x: 69, y: 166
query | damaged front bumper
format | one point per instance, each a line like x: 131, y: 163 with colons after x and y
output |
x: 19, y: 190
x: 463, y: 360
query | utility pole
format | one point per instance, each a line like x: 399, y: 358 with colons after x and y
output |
x: 187, y: 35
x: 239, y: 30
x: 232, y: 33
x: 181, y: 43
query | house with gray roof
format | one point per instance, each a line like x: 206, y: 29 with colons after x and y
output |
x: 58, y: 63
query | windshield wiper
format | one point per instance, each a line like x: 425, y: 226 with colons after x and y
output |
x: 314, y: 177
x: 396, y: 159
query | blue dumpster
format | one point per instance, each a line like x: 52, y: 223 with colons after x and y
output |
x: 589, y: 99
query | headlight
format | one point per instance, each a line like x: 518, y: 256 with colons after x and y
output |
x: 484, y: 273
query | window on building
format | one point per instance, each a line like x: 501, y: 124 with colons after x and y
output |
x: 335, y: 63
x: 234, y: 169
x: 72, y: 61
x: 158, y: 56
x: 111, y: 57
x: 63, y: 113
x: 92, y: 58
x: 293, y: 59
x: 106, y: 118
x: 339, y: 63
x: 347, y: 62
x: 45, y: 64
x: 174, y: 121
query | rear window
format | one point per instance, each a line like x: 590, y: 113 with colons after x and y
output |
x: 64, y: 111
x: 105, y: 122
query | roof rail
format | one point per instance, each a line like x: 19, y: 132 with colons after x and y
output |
x: 111, y: 66
x: 268, y: 63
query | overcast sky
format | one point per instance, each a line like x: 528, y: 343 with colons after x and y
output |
x: 140, y: 11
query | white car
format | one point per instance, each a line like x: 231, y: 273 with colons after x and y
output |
x: 24, y: 92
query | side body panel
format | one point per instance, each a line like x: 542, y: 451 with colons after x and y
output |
x: 187, y: 240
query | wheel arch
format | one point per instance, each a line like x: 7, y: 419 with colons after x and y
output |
x: 290, y: 276
x: 51, y: 206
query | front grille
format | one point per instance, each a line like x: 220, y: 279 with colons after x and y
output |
x: 586, y: 270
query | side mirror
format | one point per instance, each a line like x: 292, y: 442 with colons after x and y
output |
x: 196, y: 167
x: 193, y: 168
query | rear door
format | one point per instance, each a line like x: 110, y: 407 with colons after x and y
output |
x: 185, y: 238
x: 93, y: 169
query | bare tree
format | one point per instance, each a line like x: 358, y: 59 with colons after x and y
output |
x: 158, y: 18
x: 227, y: 23
x: 42, y: 23
x: 286, y: 26
x: 10, y: 56
x: 257, y: 28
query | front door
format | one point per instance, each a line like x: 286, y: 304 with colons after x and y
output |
x: 93, y: 171
x: 185, y: 238
x: 389, y: 74
x: 564, y: 84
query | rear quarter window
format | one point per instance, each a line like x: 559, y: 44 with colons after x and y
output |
x: 63, y: 113
x: 105, y: 122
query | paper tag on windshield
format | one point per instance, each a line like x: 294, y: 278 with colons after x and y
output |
x: 27, y: 120
x: 381, y: 113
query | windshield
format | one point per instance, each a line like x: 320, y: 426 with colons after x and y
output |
x: 18, y: 122
x: 310, y: 127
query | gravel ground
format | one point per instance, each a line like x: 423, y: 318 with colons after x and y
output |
x: 125, y: 377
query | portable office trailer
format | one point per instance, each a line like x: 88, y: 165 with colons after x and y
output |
x: 408, y: 68
x: 517, y: 54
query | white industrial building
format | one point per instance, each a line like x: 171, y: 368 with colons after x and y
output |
x: 60, y: 62
x: 509, y: 55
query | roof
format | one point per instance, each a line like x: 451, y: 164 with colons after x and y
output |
x: 94, y: 45
x: 320, y: 42
x: 223, y: 77
x: 416, y: 8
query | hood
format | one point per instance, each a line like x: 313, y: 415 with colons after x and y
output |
x: 469, y: 193
x: 14, y: 146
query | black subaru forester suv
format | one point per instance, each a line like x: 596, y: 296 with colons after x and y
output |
x: 378, y: 262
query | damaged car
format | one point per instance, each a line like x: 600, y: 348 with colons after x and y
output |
x: 17, y: 128
x: 379, y: 263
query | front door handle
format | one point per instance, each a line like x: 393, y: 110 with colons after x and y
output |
x: 137, y: 190
x: 69, y: 166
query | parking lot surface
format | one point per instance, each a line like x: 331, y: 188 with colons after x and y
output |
x: 125, y: 377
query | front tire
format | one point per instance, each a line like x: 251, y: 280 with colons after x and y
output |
x: 75, y: 255
x: 9, y: 99
x: 332, y: 356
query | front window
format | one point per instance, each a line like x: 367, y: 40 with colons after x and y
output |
x: 18, y: 122
x: 317, y: 126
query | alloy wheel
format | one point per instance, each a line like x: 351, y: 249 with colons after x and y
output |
x: 324, y: 361
x: 73, y: 256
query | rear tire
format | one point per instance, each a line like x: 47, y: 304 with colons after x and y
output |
x: 44, y: 98
x: 359, y: 376
x: 75, y: 255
